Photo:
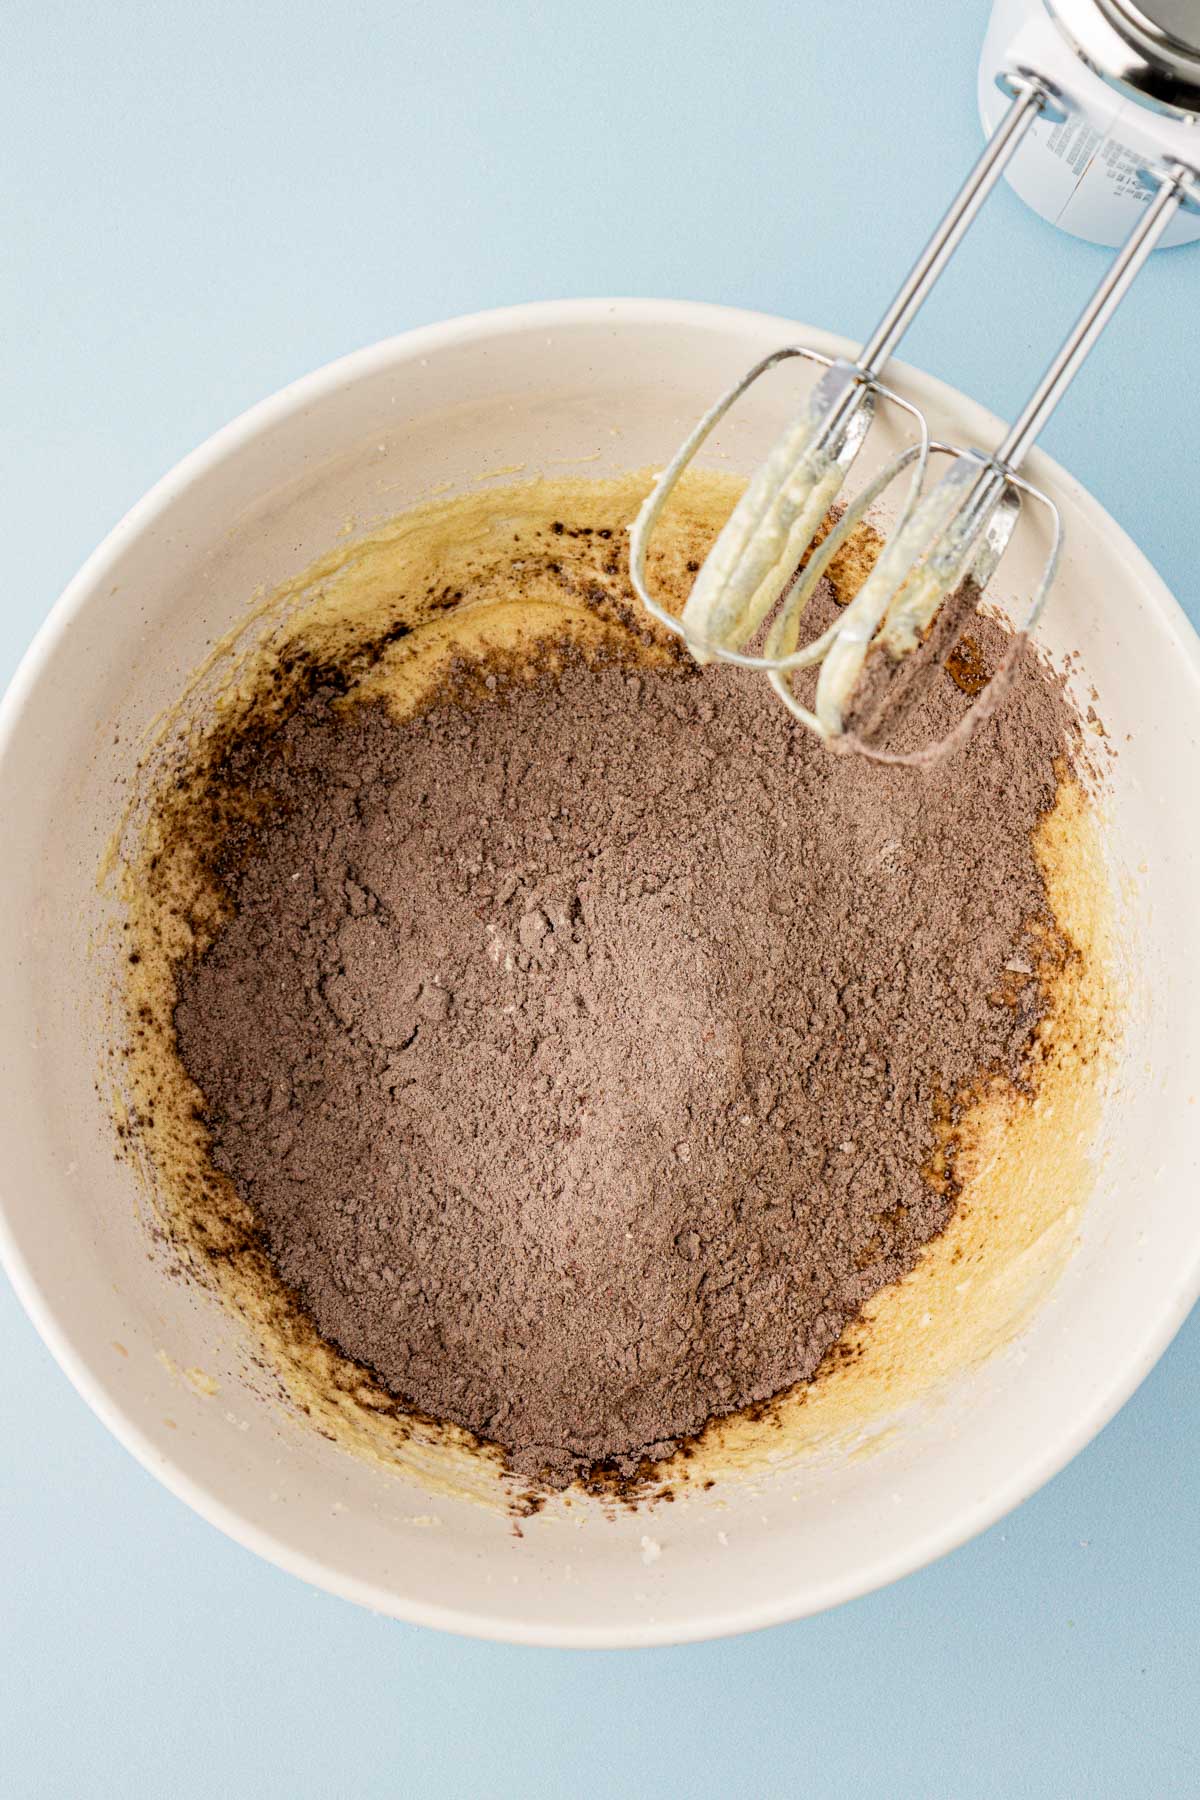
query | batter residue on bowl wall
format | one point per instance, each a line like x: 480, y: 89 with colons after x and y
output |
x: 494, y: 604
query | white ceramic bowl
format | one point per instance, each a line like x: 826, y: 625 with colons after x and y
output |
x: 608, y: 385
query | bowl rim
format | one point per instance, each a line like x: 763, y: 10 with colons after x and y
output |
x: 971, y: 1517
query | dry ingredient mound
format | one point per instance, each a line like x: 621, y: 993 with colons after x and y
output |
x: 586, y: 1045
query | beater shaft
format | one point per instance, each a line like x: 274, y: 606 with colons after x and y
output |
x: 1031, y: 98
x: 1177, y: 187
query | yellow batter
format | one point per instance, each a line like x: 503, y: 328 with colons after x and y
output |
x: 508, y: 572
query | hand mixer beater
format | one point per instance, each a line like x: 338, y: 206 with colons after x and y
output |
x: 767, y: 561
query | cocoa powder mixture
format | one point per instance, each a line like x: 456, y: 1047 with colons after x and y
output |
x: 587, y: 1046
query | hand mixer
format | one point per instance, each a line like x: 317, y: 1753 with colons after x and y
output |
x: 766, y: 563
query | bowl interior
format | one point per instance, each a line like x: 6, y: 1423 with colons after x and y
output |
x: 587, y: 389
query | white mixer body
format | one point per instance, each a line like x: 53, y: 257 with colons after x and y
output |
x: 1083, y: 174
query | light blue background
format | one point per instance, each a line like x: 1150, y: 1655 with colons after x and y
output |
x: 202, y: 201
